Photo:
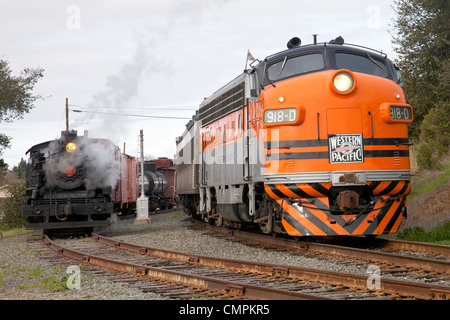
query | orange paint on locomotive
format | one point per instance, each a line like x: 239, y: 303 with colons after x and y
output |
x: 338, y: 114
x: 327, y: 113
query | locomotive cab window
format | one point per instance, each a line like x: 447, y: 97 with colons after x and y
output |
x: 289, y: 67
x: 398, y: 75
x: 364, y: 64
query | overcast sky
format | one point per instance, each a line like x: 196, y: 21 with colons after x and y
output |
x: 156, y: 58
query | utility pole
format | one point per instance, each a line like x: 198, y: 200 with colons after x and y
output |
x: 141, y: 139
x: 142, y: 201
x: 67, y: 115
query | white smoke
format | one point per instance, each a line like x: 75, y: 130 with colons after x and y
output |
x: 99, y: 158
x: 102, y: 160
x: 158, y: 57
x: 120, y: 89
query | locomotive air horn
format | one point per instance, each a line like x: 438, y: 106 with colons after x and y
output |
x: 294, y: 43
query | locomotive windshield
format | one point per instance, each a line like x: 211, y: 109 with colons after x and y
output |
x: 289, y: 67
x: 302, y: 60
x: 364, y: 64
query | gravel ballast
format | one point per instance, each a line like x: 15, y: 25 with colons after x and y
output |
x: 30, y: 271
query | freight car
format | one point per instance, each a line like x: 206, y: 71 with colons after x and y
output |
x: 311, y: 141
x: 159, y: 183
x: 78, y: 182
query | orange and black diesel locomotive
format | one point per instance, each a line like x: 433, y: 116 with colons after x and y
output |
x: 311, y: 141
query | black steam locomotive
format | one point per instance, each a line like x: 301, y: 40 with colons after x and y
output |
x: 76, y: 181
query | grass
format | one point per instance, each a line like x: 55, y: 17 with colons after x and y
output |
x: 8, y: 272
x: 34, y: 273
x: 425, y: 181
x: 438, y: 235
x: 15, y: 232
x: 53, y: 282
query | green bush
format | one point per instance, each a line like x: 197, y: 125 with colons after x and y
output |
x: 440, y: 234
x: 11, y: 207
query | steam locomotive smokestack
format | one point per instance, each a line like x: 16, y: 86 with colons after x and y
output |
x: 315, y: 38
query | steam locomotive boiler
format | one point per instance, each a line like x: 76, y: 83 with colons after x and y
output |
x: 78, y: 182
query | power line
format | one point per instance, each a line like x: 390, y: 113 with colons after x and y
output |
x: 129, y: 115
x: 167, y: 108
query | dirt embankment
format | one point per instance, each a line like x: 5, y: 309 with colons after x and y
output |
x: 430, y: 209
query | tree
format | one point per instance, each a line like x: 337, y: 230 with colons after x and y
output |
x: 21, y: 168
x: 422, y: 44
x: 3, y: 170
x: 16, y: 96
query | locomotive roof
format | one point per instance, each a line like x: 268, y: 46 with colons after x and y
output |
x: 239, y: 79
x: 39, y: 146
x: 46, y: 143
x: 329, y: 51
x: 329, y: 47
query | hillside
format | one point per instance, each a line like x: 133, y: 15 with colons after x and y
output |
x: 429, y: 201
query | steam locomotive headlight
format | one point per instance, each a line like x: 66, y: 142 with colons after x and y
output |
x: 71, y: 147
x: 70, y: 170
x: 343, y: 82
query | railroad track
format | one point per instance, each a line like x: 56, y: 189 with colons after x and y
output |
x: 181, y: 280
x: 399, y: 254
x: 196, y: 275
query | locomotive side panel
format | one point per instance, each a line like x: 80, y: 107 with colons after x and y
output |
x: 231, y: 153
x: 187, y: 162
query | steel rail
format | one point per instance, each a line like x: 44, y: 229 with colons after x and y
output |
x: 226, y: 287
x: 438, y: 249
x: 369, y: 255
x: 392, y: 286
